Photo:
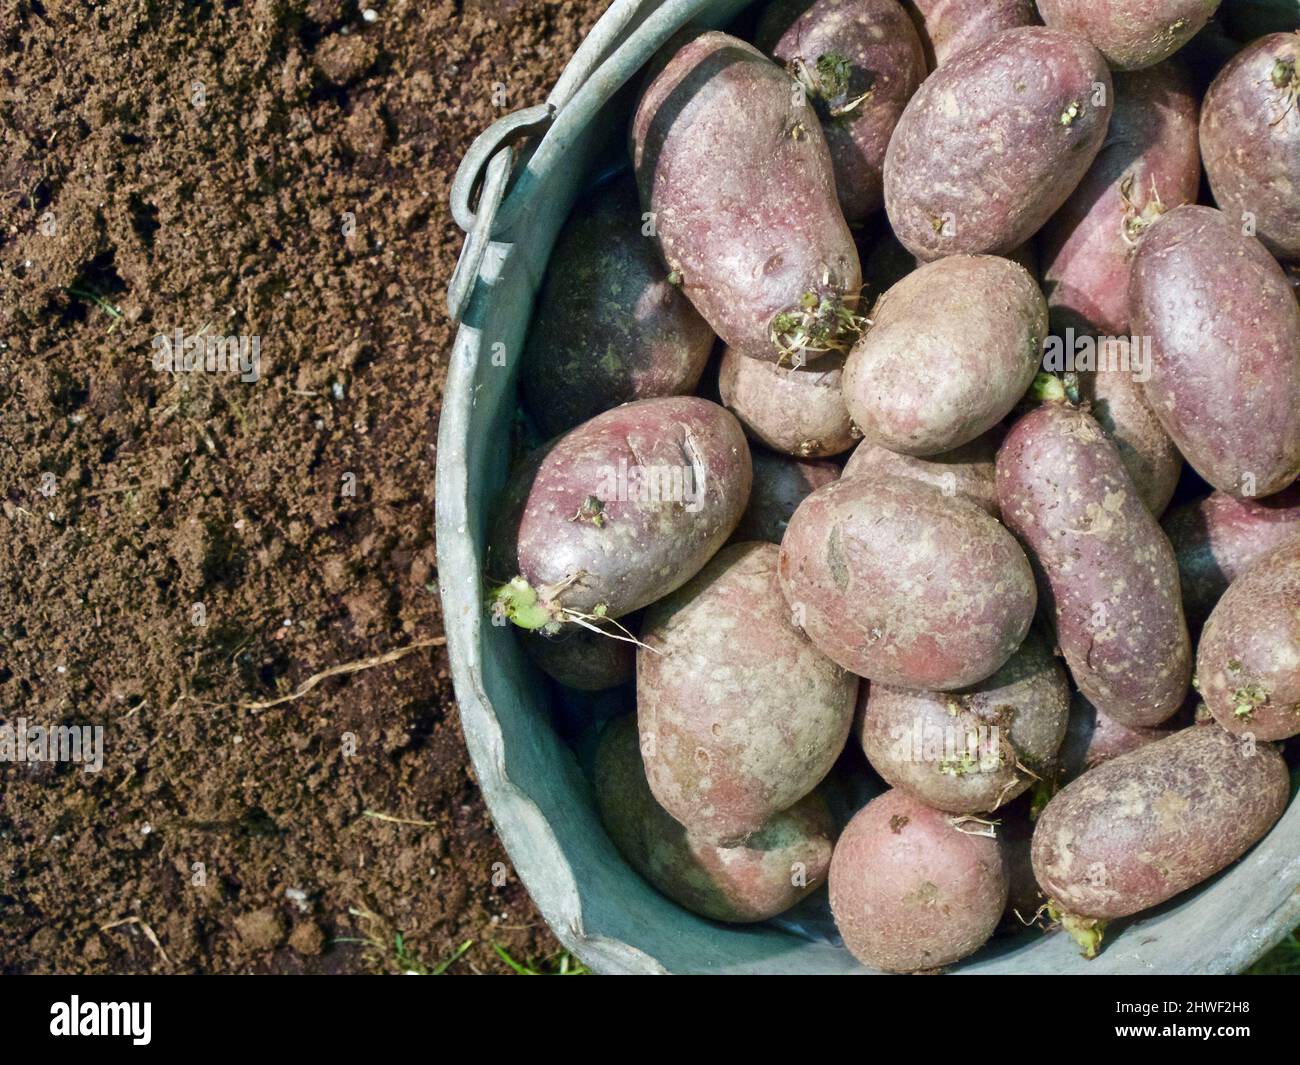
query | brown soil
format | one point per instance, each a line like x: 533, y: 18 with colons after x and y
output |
x: 239, y: 838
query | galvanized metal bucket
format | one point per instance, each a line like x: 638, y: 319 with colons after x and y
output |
x: 542, y: 804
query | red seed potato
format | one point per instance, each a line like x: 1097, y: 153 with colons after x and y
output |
x: 1119, y: 405
x: 1132, y: 34
x: 1216, y: 539
x: 967, y: 471
x: 608, y: 327
x: 733, y: 165
x: 969, y: 752
x: 1092, y: 738
x: 1250, y: 140
x: 906, y: 586
x: 1107, y: 575
x: 883, y: 58
x: 618, y: 512
x: 1248, y: 661
x: 951, y: 26
x: 781, y: 483
x: 582, y: 659
x: 1150, y: 824
x: 951, y: 349
x: 795, y: 409
x: 1225, y: 349
x: 1149, y: 162
x: 781, y: 863
x: 912, y: 892
x: 740, y: 715
x: 994, y: 142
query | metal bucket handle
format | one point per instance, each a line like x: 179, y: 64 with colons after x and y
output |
x: 489, y: 161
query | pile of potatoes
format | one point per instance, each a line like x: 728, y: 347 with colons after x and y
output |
x: 859, y: 404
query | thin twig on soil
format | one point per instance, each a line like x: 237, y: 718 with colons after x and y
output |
x: 397, y: 820
x: 346, y: 667
x: 148, y: 933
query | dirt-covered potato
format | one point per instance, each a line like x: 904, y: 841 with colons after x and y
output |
x: 798, y: 410
x: 951, y: 26
x: 1119, y: 405
x: 1216, y: 539
x: 740, y: 715
x: 608, y: 328
x: 1248, y: 661
x: 1152, y: 823
x: 971, y: 751
x: 1225, y: 349
x: 582, y: 659
x: 906, y: 586
x: 781, y: 483
x: 967, y: 471
x: 1107, y: 573
x: 911, y: 890
x: 1250, y: 140
x: 781, y: 863
x: 994, y: 141
x: 1132, y: 34
x: 1148, y: 164
x: 618, y: 512
x: 733, y: 167
x: 951, y: 349
x: 1092, y: 738
x: 859, y: 61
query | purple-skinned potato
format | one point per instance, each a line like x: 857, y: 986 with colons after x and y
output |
x: 948, y: 27
x: 910, y: 890
x: 1132, y: 34
x: 786, y: 860
x: 1250, y: 140
x: 1148, y: 164
x: 1148, y: 825
x: 617, y: 513
x: 1224, y: 330
x: 860, y: 61
x: 1107, y: 576
x: 740, y: 714
x: 952, y: 348
x: 906, y: 586
x: 1248, y: 661
x: 1020, y: 118
x: 745, y: 213
x: 608, y: 328
x: 971, y: 751
x: 797, y: 410
x: 1217, y: 538
x: 967, y: 471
